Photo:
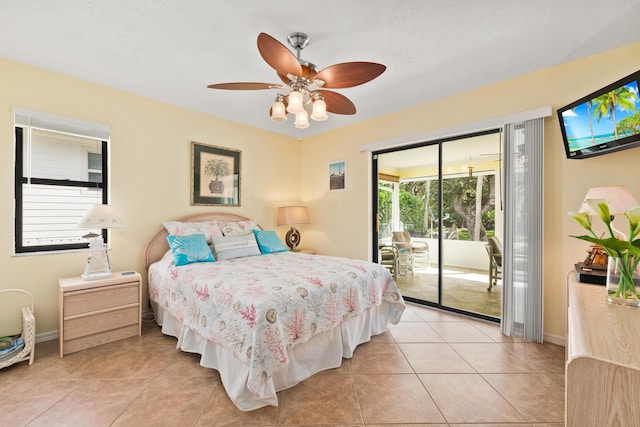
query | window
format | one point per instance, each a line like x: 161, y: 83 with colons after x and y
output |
x: 94, y: 168
x: 58, y: 177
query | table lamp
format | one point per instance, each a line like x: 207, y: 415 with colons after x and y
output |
x: 292, y: 216
x: 618, y: 198
x: 99, y: 217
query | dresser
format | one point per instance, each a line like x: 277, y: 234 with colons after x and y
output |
x: 96, y: 312
x: 603, y: 359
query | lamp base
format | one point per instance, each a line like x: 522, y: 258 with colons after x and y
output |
x: 96, y: 275
x: 98, y: 266
x: 292, y: 239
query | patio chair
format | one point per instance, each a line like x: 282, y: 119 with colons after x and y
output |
x: 389, y: 258
x: 418, y: 251
x: 494, y: 250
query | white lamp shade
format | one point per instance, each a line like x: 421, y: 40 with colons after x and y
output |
x: 101, y: 216
x: 295, y: 102
x: 302, y: 120
x: 619, y: 199
x: 278, y: 112
x: 293, y: 215
x: 319, y: 112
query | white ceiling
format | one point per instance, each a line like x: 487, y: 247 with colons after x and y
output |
x: 170, y: 50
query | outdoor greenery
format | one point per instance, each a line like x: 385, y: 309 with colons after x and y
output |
x: 419, y: 212
x: 384, y: 203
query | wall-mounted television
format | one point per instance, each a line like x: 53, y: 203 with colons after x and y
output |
x: 604, y: 121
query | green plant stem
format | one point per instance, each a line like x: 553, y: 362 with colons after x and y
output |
x: 626, y: 265
x: 626, y: 286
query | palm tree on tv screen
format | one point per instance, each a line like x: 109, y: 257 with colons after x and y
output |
x: 606, y: 105
x: 588, y: 106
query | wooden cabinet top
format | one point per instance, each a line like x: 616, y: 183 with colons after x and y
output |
x: 78, y: 283
x: 600, y: 329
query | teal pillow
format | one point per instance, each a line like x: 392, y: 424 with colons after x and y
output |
x: 269, y: 242
x: 189, y: 249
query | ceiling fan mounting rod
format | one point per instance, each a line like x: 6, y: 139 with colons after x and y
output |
x: 298, y: 41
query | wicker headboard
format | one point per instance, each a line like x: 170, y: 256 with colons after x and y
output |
x: 158, y: 246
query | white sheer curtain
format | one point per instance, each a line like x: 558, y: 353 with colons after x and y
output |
x: 522, y: 275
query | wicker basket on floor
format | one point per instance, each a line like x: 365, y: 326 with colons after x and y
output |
x: 28, y: 333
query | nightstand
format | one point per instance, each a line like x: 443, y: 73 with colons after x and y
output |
x: 96, y: 312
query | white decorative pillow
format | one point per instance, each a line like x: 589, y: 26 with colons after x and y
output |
x: 229, y: 247
x: 238, y: 228
x: 210, y: 229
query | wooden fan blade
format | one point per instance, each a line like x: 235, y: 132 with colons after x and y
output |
x: 278, y: 56
x: 336, y: 103
x: 243, y: 86
x: 349, y: 74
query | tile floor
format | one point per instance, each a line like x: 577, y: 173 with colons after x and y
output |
x: 432, y: 369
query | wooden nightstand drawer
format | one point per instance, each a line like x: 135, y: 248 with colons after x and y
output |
x: 89, y: 300
x: 79, y: 326
x: 96, y: 312
x: 82, y: 343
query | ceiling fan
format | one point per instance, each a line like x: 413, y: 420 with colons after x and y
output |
x: 302, y: 91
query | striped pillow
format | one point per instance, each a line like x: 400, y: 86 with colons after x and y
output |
x: 229, y: 247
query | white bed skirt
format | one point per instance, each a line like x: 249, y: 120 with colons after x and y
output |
x: 323, y: 351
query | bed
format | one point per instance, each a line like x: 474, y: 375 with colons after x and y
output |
x: 269, y: 321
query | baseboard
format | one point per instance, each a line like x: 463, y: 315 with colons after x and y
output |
x: 47, y: 336
x: 149, y: 316
x: 555, y: 339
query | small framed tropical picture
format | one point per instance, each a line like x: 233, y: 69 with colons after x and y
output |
x: 338, y: 176
x: 215, y: 175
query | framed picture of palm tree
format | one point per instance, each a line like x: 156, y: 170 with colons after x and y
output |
x: 215, y: 175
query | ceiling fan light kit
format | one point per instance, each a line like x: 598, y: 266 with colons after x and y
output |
x: 303, y: 91
x: 302, y: 120
x: 319, y: 112
x: 278, y: 110
x: 295, y: 100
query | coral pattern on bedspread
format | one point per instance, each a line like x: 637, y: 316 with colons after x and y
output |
x: 259, y: 307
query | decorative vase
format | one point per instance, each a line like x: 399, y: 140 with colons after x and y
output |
x: 216, y: 187
x: 623, y: 278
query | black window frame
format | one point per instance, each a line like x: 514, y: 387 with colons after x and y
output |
x: 20, y: 180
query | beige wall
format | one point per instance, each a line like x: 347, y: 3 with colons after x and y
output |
x: 150, y: 167
x: 150, y: 172
x: 342, y: 221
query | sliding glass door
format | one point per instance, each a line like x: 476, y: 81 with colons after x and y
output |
x: 436, y: 207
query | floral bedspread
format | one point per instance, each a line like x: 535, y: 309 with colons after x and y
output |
x: 259, y: 307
